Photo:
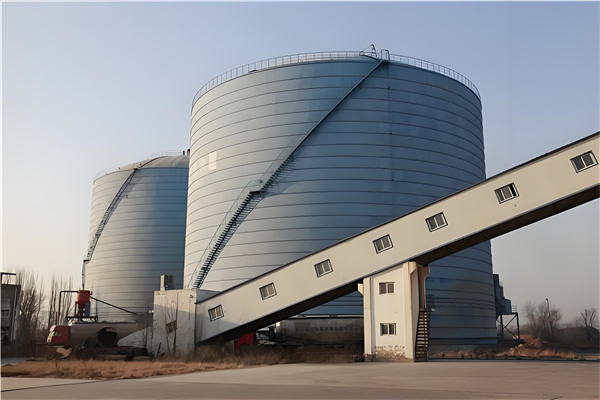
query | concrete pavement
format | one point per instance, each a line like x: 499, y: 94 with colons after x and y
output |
x: 439, y: 379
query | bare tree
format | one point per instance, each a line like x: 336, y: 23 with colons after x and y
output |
x: 542, y: 319
x: 30, y: 327
x: 59, y: 306
x: 530, y: 311
x: 588, y: 318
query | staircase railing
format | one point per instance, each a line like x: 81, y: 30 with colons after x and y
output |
x: 107, y: 214
x: 229, y: 219
x: 422, y: 339
x: 330, y: 56
x: 251, y: 196
x: 163, y: 153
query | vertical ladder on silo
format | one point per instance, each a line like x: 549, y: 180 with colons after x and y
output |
x: 222, y: 236
x: 422, y: 339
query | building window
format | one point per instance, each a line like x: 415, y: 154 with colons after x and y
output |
x: 5, y: 318
x: 323, y: 268
x: 382, y: 244
x: 436, y: 222
x: 386, y: 288
x: 506, y: 193
x: 215, y: 313
x: 388, y: 329
x: 5, y: 313
x: 268, y: 291
x: 584, y: 161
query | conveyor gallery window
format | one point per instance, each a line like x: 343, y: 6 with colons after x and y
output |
x: 215, y: 313
x: 506, y: 193
x: 584, y: 161
x: 386, y: 288
x: 268, y: 291
x: 388, y: 329
x: 323, y: 268
x: 436, y: 222
x: 382, y: 244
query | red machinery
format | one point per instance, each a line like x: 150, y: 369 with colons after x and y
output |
x: 83, y: 298
x: 84, y: 332
x: 243, y: 342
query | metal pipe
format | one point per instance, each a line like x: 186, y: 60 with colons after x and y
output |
x: 146, y: 327
x: 112, y: 305
x: 548, y: 320
x: 60, y: 302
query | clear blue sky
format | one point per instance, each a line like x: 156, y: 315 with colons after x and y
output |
x: 91, y: 86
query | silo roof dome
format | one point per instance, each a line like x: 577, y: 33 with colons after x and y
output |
x: 164, y: 159
x: 181, y: 161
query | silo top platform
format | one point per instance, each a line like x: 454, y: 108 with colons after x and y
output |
x: 333, y: 56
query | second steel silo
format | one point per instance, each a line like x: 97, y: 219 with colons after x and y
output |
x: 343, y: 142
x: 137, y: 231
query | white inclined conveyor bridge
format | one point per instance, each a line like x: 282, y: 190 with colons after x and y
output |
x: 547, y: 185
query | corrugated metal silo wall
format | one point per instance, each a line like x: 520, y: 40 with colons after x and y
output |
x: 144, y: 236
x: 404, y: 138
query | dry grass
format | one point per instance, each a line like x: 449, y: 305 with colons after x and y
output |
x: 95, y: 369
x: 205, y: 359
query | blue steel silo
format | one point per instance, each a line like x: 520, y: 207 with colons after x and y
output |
x: 340, y: 142
x: 137, y: 233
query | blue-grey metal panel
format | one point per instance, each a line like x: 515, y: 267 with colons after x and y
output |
x: 403, y: 138
x: 144, y: 237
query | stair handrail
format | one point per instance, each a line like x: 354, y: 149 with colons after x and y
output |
x: 108, y: 212
x: 273, y: 172
x: 330, y: 56
x: 245, y: 191
x: 163, y: 153
x: 226, y: 218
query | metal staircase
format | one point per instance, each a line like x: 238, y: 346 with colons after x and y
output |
x: 239, y: 215
x: 422, y: 341
x: 109, y: 211
x: 252, y: 197
x: 246, y: 206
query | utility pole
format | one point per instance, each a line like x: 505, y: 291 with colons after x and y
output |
x: 548, y: 319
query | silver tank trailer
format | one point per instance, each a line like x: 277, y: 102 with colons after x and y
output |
x: 143, y: 237
x: 313, y: 330
x: 409, y: 134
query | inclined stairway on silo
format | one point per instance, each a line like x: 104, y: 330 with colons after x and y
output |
x: 247, y: 205
x: 106, y: 216
x: 218, y: 243
x: 109, y: 211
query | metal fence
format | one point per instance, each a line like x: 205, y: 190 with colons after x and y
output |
x: 164, y: 153
x: 329, y: 56
x: 440, y: 69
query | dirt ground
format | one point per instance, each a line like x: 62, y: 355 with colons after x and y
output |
x: 95, y: 369
x: 533, y: 347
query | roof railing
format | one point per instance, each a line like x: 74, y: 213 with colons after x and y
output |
x: 164, y: 153
x: 330, y: 56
